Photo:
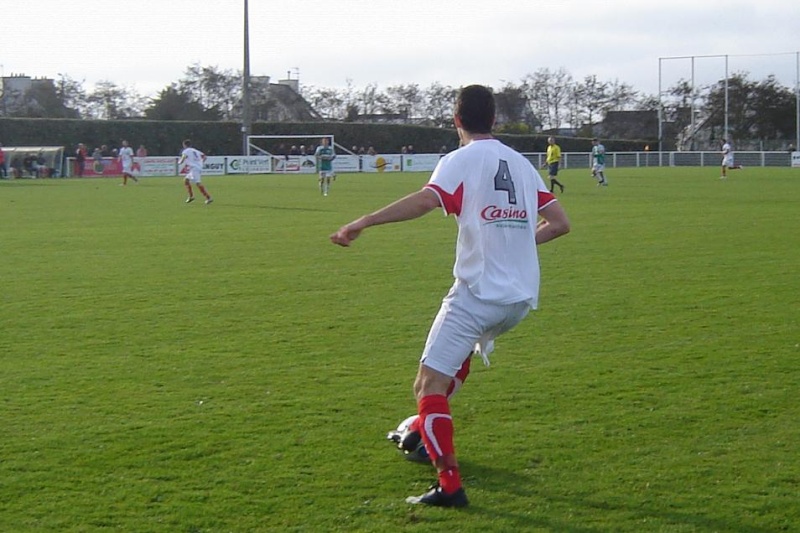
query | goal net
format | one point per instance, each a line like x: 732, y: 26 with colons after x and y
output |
x: 290, y: 154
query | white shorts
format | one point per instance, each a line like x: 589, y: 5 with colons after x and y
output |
x: 598, y: 168
x: 465, y: 324
x: 727, y: 161
x: 193, y: 175
x: 326, y: 174
x: 126, y: 168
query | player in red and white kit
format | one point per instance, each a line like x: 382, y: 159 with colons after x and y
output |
x: 126, y: 159
x: 497, y: 198
x: 194, y: 165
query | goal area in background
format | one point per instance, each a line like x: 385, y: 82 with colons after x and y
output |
x: 288, y: 145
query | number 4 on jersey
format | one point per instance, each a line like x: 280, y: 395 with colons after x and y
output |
x: 503, y: 182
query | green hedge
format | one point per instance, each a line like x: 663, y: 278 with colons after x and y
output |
x: 223, y: 138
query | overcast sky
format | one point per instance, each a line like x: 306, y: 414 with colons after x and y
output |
x: 148, y: 44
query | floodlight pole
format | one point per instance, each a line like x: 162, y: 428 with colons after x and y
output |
x: 797, y: 101
x: 726, y: 135
x: 692, y: 130
x: 246, y: 118
x: 660, y: 114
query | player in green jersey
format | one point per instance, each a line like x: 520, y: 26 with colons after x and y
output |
x: 599, y: 162
x: 325, y: 156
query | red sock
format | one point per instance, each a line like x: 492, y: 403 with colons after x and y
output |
x: 460, y: 378
x: 189, y: 188
x: 436, y: 425
x: 450, y: 480
x: 436, y: 428
x: 455, y: 385
x: 203, y: 190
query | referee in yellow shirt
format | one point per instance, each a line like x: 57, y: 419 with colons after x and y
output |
x: 551, y: 162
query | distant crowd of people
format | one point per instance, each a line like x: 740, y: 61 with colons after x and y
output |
x: 302, y: 149
x: 124, y: 155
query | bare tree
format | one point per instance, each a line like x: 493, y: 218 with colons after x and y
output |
x: 407, y: 99
x: 621, y: 96
x: 71, y: 93
x: 330, y: 103
x: 594, y: 97
x: 109, y: 101
x: 368, y: 98
x: 559, y: 95
x: 548, y: 94
x: 537, y: 87
x: 441, y: 101
x: 214, y: 89
x: 512, y: 104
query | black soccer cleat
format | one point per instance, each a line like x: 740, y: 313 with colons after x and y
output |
x: 410, y: 441
x: 436, y: 497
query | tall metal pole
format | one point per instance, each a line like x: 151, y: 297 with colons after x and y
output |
x: 246, y: 118
x: 660, y: 113
x: 691, y: 146
x: 725, y: 133
x: 797, y: 101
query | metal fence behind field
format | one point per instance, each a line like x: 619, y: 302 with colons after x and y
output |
x: 668, y: 159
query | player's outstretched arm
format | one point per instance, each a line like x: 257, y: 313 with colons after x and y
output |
x: 554, y: 223
x: 412, y: 206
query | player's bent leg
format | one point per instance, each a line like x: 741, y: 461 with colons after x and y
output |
x: 436, y: 428
x: 436, y: 424
x: 188, y: 184
x: 414, y: 435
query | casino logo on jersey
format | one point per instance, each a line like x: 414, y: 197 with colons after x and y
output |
x: 505, y: 217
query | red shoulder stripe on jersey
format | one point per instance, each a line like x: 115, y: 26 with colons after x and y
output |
x: 545, y: 199
x: 451, y: 203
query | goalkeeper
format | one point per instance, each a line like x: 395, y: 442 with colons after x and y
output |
x: 325, y: 156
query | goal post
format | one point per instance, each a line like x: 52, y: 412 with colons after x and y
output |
x: 291, y: 154
x: 700, y: 72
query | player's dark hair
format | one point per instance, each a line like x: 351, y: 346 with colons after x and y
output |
x: 475, y: 108
x: 187, y: 143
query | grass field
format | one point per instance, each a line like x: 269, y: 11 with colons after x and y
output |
x: 188, y: 368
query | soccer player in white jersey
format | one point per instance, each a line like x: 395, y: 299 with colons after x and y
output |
x: 194, y: 167
x: 727, y: 159
x: 125, y: 157
x: 497, y: 197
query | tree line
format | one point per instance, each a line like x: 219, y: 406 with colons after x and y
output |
x: 545, y: 100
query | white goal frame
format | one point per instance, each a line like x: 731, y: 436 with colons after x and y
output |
x: 286, y: 163
x: 254, y: 149
x: 723, y: 76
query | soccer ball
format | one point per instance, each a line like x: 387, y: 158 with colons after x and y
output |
x: 409, y: 441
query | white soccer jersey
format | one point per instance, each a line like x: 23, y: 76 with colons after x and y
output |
x: 727, y: 155
x: 193, y: 158
x: 126, y: 155
x: 495, y: 194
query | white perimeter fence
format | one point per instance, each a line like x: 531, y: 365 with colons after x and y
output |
x: 392, y: 163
